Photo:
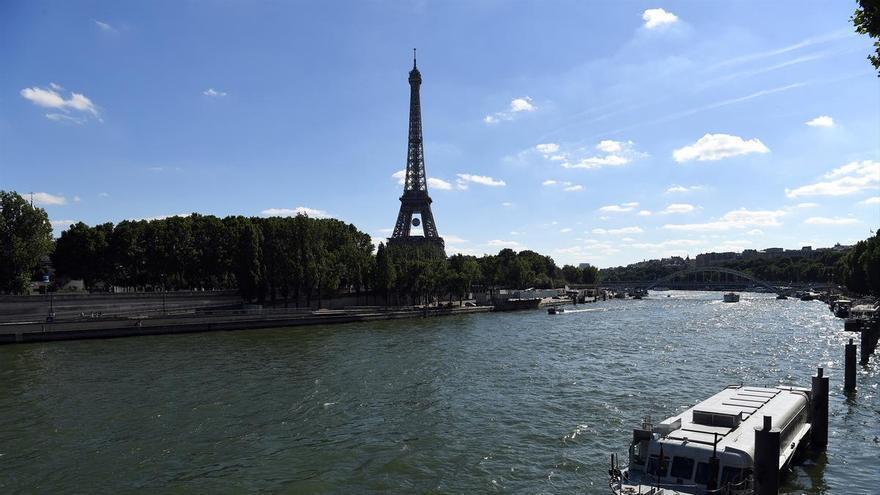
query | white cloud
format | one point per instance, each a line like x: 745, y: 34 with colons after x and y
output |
x: 162, y: 217
x: 50, y: 98
x: 678, y: 208
x: 61, y: 224
x: 439, y: 184
x: 830, y: 221
x: 621, y: 208
x: 465, y: 179
x: 623, y: 152
x: 620, y: 231
x: 655, y: 18
x: 523, y: 104
x: 821, y: 121
x: 503, y: 244
x: 60, y: 117
x: 574, y: 188
x: 672, y: 243
x: 104, y: 194
x: 737, y: 219
x: 46, y: 199
x: 517, y: 105
x: 299, y: 210
x: 77, y: 199
x: 683, y: 189
x: 807, y: 205
x: 871, y: 201
x: 644, y: 213
x: 609, y: 146
x: 848, y: 179
x: 713, y: 147
x: 565, y: 230
x: 755, y: 232
x: 549, y: 182
x: 400, y: 177
x: 106, y: 27
x: 547, y: 148
x: 453, y: 239
x: 213, y: 93
x: 507, y: 204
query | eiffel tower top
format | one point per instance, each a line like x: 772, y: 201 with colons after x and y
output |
x: 414, y: 75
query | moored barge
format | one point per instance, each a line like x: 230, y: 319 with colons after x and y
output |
x: 711, y: 447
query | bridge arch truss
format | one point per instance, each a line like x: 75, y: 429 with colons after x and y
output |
x: 713, y: 269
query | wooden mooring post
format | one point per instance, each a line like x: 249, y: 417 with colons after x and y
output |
x: 767, y: 443
x: 868, y: 339
x: 819, y: 411
x: 849, y: 367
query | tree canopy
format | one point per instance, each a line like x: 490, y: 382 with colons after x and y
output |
x: 25, y: 239
x: 866, y: 20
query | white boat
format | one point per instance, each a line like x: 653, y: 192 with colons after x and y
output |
x: 731, y: 297
x: 710, y: 448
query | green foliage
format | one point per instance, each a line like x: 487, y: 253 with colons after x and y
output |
x: 866, y: 20
x: 861, y: 267
x: 262, y: 257
x: 25, y: 238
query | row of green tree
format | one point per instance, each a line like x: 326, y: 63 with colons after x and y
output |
x: 264, y: 258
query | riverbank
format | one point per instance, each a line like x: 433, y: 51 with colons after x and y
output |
x: 214, y: 321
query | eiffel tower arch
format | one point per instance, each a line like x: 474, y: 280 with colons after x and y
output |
x: 415, y: 203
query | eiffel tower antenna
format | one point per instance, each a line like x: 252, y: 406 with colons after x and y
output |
x: 415, y: 199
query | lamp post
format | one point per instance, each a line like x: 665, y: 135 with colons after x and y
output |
x: 163, y: 295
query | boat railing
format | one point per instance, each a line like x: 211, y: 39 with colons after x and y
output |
x: 742, y: 487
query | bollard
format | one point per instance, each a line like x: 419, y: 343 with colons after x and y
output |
x: 849, y: 363
x: 714, y: 463
x: 866, y: 345
x: 767, y: 459
x: 819, y: 411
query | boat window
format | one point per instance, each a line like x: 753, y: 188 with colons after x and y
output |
x: 682, y: 467
x: 656, y: 468
x: 702, y: 476
x: 731, y: 475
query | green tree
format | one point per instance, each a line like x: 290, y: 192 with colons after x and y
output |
x: 385, y: 276
x: 25, y: 239
x: 866, y: 20
x: 590, y: 275
x: 249, y: 263
x: 84, y: 252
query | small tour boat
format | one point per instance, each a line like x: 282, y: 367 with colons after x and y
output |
x: 555, y: 310
x: 841, y: 308
x: 781, y: 296
x: 731, y: 297
x: 710, y: 448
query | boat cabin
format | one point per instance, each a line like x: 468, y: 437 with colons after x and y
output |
x: 712, y: 445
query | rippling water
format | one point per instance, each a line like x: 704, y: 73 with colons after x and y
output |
x: 510, y: 403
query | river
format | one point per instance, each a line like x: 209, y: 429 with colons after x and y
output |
x: 517, y: 402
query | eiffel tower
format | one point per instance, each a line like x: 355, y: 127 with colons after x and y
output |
x: 415, y: 199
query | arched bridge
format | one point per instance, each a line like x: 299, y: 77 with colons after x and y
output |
x: 714, y: 269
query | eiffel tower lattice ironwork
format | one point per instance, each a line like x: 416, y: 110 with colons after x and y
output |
x: 415, y: 199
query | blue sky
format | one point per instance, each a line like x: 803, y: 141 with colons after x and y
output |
x: 602, y: 132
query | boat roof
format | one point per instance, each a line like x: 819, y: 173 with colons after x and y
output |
x: 733, y: 414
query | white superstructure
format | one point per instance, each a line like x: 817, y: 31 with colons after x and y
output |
x: 677, y: 455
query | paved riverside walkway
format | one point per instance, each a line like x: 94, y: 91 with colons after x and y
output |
x: 99, y: 328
